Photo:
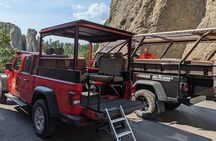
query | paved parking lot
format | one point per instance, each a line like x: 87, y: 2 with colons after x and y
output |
x: 195, y: 123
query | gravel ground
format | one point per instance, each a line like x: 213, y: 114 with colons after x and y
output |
x: 195, y: 123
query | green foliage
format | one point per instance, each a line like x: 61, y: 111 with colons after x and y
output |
x: 69, y: 48
x: 6, y: 54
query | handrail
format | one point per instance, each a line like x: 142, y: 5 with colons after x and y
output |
x: 170, y: 45
x: 186, y: 56
x: 139, y: 45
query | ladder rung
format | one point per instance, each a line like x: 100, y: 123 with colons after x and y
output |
x: 118, y: 120
x: 123, y: 134
x: 112, y: 109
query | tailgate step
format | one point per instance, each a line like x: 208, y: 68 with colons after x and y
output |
x: 127, y: 127
x: 113, y: 109
x: 123, y: 134
x: 118, y: 120
x: 16, y: 100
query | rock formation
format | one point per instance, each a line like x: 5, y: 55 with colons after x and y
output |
x: 209, y: 21
x: 15, y: 34
x: 31, y: 41
x: 142, y: 16
x: 17, y: 40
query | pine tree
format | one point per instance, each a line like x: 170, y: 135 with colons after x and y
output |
x: 6, y: 54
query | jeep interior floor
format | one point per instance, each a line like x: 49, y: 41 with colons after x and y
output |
x: 93, y: 99
x: 115, y: 104
x: 110, y: 104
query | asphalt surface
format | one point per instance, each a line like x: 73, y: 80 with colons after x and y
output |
x: 195, y: 123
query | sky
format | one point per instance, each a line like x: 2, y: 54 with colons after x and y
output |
x: 38, y: 14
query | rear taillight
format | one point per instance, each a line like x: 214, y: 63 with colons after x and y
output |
x: 185, y: 87
x: 74, y: 98
x: 133, y: 90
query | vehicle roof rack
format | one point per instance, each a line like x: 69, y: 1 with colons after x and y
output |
x: 178, y: 36
x: 88, y: 31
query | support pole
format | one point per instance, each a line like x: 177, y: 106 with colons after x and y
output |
x: 76, y: 46
x: 41, y: 46
x: 90, y: 55
x: 129, y: 52
x: 166, y: 50
x: 139, y: 45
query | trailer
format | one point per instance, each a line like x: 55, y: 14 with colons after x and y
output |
x: 166, y: 83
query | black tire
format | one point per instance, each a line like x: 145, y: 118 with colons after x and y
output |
x: 148, y: 99
x: 3, y: 98
x: 44, y: 125
x: 171, y: 105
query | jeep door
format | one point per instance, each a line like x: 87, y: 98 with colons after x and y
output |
x: 13, y: 78
x: 27, y: 81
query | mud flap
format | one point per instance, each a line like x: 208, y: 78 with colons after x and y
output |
x: 160, y: 106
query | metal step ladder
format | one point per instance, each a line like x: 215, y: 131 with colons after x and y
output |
x: 127, y: 128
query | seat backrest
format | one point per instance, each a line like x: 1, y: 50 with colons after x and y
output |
x: 112, y: 65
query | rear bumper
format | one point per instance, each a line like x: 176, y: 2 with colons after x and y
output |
x: 76, y: 120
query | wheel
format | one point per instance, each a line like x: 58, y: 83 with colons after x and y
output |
x: 3, y: 98
x: 171, y: 105
x: 149, y: 104
x: 43, y: 124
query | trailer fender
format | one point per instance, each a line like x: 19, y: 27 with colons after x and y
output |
x: 48, y: 94
x: 159, y: 91
x: 3, y: 83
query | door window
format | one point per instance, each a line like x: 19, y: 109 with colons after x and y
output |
x: 17, y: 64
x: 27, y: 64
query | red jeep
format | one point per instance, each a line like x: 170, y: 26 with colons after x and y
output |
x: 57, y: 87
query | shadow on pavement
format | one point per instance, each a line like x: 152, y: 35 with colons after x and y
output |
x: 152, y: 131
x: 194, y: 116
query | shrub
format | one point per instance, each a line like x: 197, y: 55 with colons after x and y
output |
x: 6, y: 53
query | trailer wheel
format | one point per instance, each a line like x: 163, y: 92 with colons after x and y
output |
x: 171, y: 105
x: 43, y: 124
x: 149, y: 104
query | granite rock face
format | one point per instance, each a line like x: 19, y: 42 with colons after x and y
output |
x: 209, y: 21
x: 17, y: 40
x: 15, y: 34
x: 142, y: 16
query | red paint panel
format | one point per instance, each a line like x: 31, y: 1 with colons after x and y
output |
x: 61, y: 89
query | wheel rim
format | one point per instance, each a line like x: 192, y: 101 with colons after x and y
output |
x: 39, y: 119
x: 144, y: 102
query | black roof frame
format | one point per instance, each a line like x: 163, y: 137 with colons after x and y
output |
x: 79, y: 30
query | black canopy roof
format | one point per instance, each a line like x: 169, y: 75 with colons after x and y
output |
x: 88, y: 31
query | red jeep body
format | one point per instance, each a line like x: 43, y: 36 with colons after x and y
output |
x: 60, y: 80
